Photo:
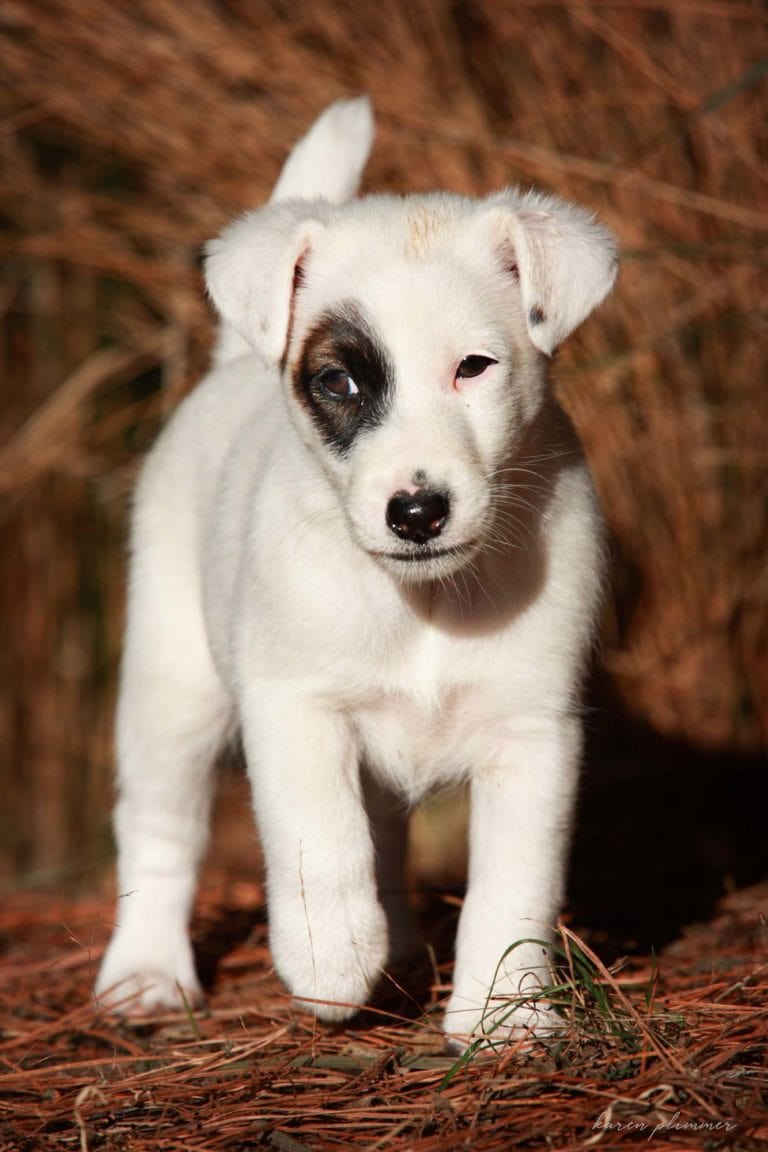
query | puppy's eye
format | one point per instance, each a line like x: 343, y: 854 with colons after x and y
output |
x: 473, y: 366
x: 336, y: 384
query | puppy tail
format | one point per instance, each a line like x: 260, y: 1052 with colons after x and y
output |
x: 328, y: 162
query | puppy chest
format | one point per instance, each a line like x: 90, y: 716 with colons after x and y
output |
x: 415, y: 746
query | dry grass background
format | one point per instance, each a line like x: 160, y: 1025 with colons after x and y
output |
x: 130, y: 132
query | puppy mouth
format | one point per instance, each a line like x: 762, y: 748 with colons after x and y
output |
x: 423, y: 553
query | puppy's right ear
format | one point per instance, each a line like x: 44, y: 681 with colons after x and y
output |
x: 565, y: 260
x: 251, y: 270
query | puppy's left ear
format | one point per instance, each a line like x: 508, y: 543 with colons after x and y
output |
x: 252, y: 269
x: 565, y: 259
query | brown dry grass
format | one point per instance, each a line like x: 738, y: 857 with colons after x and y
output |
x: 131, y: 132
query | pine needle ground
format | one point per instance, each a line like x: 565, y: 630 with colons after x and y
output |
x: 669, y: 1051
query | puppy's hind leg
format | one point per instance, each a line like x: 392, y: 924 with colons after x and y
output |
x: 173, y: 715
x: 389, y: 820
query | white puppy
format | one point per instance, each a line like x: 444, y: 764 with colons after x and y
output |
x: 370, y: 542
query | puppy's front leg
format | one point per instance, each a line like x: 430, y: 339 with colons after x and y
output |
x: 328, y: 932
x: 519, y: 831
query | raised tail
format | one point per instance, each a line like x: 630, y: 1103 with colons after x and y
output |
x: 328, y: 162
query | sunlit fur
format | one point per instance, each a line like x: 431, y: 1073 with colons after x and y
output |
x: 267, y: 591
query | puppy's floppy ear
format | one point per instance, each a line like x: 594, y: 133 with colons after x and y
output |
x: 566, y: 261
x: 251, y: 270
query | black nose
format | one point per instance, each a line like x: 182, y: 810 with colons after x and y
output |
x: 418, y: 516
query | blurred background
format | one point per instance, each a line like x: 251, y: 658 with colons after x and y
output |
x: 131, y: 132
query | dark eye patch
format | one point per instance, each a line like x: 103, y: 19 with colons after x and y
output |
x: 343, y: 376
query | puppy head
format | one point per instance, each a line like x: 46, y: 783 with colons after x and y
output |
x: 413, y: 334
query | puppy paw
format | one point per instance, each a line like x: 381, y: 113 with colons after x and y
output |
x: 497, y: 1023
x: 330, y: 963
x: 135, y: 984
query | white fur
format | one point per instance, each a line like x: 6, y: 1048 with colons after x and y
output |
x: 267, y: 591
